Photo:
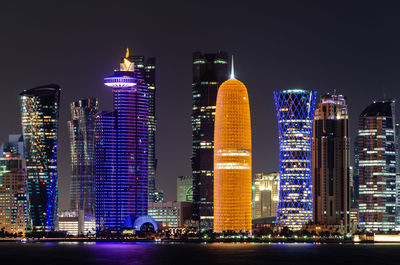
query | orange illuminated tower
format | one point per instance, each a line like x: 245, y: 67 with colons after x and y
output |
x: 232, y: 158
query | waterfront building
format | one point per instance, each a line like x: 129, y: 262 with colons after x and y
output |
x: 377, y: 166
x: 122, y: 151
x: 232, y: 158
x: 13, y: 189
x: 170, y: 214
x: 81, y: 131
x: 209, y: 71
x: 356, y: 184
x: 39, y: 114
x: 184, y: 189
x: 147, y: 69
x: 331, y: 162
x: 295, y: 111
x: 265, y: 195
x: 75, y: 223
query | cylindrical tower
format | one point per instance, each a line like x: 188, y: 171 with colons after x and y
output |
x: 122, y: 179
x: 39, y: 116
x: 295, y: 111
x: 232, y: 159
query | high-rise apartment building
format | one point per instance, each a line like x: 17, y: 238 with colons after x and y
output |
x: 184, y: 189
x: 39, y: 113
x: 377, y: 166
x: 81, y: 131
x: 122, y: 151
x: 13, y: 189
x: 331, y: 162
x: 265, y: 195
x: 232, y: 158
x: 147, y: 69
x: 295, y: 111
x: 209, y: 71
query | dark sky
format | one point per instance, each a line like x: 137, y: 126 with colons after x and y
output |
x: 351, y: 46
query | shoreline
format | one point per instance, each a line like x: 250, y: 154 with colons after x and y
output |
x: 188, y: 241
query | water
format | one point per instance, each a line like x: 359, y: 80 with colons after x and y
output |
x: 193, y: 254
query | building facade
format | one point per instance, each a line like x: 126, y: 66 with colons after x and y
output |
x: 232, y: 159
x: 13, y: 189
x: 209, y: 71
x: 184, y: 189
x: 170, y: 214
x: 377, y: 166
x: 39, y: 113
x: 265, y: 195
x: 331, y: 162
x: 147, y: 69
x: 121, y: 151
x: 81, y: 132
x: 295, y: 111
x: 75, y: 223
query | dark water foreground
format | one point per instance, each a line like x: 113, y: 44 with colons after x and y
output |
x: 193, y: 254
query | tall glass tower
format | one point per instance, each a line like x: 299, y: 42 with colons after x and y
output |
x: 39, y: 113
x: 232, y: 159
x: 81, y: 131
x: 209, y: 71
x: 295, y: 111
x: 122, y: 151
x: 147, y: 69
x: 377, y: 166
x: 331, y: 162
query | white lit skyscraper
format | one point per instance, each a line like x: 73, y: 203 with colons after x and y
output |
x: 377, y: 166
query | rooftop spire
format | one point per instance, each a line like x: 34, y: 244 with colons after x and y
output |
x: 232, y: 69
x: 127, y: 53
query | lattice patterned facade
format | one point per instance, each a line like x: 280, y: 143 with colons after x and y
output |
x: 295, y: 112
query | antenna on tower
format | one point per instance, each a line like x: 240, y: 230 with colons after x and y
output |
x: 232, y: 69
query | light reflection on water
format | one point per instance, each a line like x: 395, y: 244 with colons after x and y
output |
x: 140, y: 253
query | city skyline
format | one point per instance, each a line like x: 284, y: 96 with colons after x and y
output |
x: 354, y: 63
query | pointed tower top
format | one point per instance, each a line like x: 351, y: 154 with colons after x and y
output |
x: 126, y: 64
x: 232, y: 69
x: 127, y: 52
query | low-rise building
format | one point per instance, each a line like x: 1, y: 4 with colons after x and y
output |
x: 265, y: 195
x: 76, y: 223
x: 170, y: 214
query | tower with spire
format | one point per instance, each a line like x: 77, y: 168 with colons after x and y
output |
x: 232, y: 158
x: 122, y: 151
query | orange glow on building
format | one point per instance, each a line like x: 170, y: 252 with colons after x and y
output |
x: 232, y: 159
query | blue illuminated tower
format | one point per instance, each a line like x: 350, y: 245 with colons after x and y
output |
x: 122, y: 151
x: 295, y: 111
x: 39, y: 115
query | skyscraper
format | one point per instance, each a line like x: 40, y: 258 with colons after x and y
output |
x: 147, y: 69
x: 39, y: 113
x: 377, y: 166
x: 295, y: 111
x: 209, y: 71
x: 265, y: 195
x: 81, y: 131
x: 13, y: 189
x: 232, y: 158
x: 330, y: 160
x: 122, y: 151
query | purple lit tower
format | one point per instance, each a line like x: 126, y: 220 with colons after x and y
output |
x: 122, y: 152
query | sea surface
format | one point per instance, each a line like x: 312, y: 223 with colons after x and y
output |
x: 193, y: 254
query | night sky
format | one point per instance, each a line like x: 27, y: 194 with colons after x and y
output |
x: 351, y: 46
